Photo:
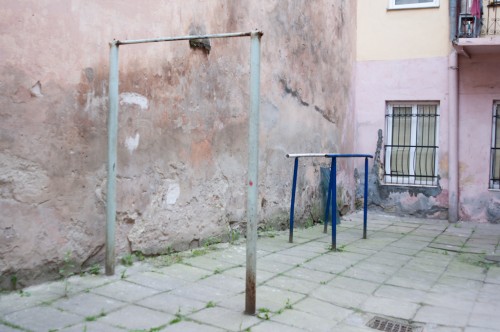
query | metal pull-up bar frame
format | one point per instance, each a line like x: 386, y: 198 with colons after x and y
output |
x: 253, y: 153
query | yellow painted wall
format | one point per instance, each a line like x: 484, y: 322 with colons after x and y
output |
x: 384, y: 34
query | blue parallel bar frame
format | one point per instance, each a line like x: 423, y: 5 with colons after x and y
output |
x: 292, y: 207
x: 332, y: 192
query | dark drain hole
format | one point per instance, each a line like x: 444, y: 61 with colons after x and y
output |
x: 390, y: 325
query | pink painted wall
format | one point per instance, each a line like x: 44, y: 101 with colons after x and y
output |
x: 424, y: 79
x: 479, y: 87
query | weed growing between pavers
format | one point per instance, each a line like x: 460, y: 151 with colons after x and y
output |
x: 94, y: 318
x: 67, y: 270
x: 476, y: 260
x: 153, y: 329
x: 178, y: 317
x: 11, y: 325
x: 210, y: 304
x: 265, y: 313
x: 127, y: 260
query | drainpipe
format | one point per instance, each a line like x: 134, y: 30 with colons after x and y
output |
x: 453, y: 137
x: 453, y: 119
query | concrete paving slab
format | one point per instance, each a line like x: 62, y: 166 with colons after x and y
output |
x: 202, y: 293
x: 225, y: 318
x: 268, y: 325
x: 400, y: 308
x: 92, y: 327
x: 210, y: 264
x: 489, y: 293
x: 240, y: 273
x: 413, y: 279
x: 267, y: 297
x: 485, y: 321
x: 452, y: 301
x: 172, y: 304
x: 322, y: 309
x: 305, y: 321
x: 402, y: 251
x: 341, y: 297
x: 292, y: 284
x: 441, y: 316
x: 186, y: 326
x: 367, y: 275
x: 310, y: 275
x: 184, y: 272
x: 479, y: 329
x: 284, y: 259
x: 361, y: 286
x: 28, y: 298
x: 397, y: 293
x: 389, y: 258
x: 42, y: 318
x: 155, y: 280
x: 5, y: 328
x: 124, y: 291
x: 134, y: 317
x: 88, y: 304
x: 224, y: 282
x: 272, y: 266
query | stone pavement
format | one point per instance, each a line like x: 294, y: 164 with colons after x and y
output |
x: 425, y: 273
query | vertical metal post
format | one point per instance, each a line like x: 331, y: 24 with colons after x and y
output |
x: 334, y: 204
x: 328, y: 198
x: 292, y: 204
x: 112, y: 146
x: 253, y: 172
x: 365, y: 199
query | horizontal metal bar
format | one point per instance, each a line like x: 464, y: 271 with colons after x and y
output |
x: 348, y: 155
x: 296, y: 155
x: 413, y: 146
x: 165, y: 39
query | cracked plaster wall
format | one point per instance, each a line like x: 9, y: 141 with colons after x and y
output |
x: 182, y: 145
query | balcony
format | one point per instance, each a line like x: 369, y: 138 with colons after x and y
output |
x: 479, y: 20
x: 478, y: 28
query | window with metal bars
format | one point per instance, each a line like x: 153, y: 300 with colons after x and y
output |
x: 495, y: 148
x: 411, y: 147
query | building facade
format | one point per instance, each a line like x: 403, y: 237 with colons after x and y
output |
x: 427, y: 90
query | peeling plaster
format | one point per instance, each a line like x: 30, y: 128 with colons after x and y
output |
x: 133, y: 98
x: 132, y: 143
x: 173, y: 193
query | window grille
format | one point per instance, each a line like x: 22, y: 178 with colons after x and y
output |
x: 411, y: 144
x: 495, y: 148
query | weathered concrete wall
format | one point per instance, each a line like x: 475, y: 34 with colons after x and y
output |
x: 479, y: 88
x: 183, y: 121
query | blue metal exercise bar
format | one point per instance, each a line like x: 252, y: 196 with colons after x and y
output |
x: 332, y: 191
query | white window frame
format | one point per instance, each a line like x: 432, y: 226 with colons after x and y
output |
x: 432, y: 4
x: 409, y: 180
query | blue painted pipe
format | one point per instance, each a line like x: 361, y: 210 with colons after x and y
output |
x: 365, y: 205
x: 334, y: 204
x: 292, y: 207
x: 329, y: 197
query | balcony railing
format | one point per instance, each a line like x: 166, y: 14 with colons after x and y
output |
x: 481, y: 21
